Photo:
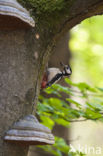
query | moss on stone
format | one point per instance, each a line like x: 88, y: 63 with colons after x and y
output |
x: 47, y: 12
x: 45, y: 6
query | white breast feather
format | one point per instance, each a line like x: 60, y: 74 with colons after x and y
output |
x: 52, y: 72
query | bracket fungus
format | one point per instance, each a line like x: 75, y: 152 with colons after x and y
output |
x: 13, y: 15
x: 28, y: 131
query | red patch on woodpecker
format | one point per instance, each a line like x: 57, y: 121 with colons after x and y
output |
x: 43, y: 84
x: 44, y: 81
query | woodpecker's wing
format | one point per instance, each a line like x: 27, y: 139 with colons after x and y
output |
x: 52, y: 72
x: 56, y: 78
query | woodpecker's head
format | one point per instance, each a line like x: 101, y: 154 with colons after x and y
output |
x: 66, y: 69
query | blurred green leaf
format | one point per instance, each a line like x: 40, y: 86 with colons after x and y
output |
x: 47, y: 121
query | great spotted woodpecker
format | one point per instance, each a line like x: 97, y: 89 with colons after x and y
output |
x: 52, y: 75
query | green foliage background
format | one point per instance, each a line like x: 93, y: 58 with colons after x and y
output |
x: 86, y: 44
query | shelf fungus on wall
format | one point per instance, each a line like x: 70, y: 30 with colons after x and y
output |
x: 28, y: 131
x: 14, y: 16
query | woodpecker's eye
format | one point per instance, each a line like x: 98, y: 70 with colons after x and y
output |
x: 68, y: 68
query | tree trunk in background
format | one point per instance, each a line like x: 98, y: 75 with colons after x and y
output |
x: 23, y: 56
x: 61, y: 54
x: 17, y: 82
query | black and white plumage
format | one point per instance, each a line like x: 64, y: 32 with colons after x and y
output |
x: 53, y: 75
